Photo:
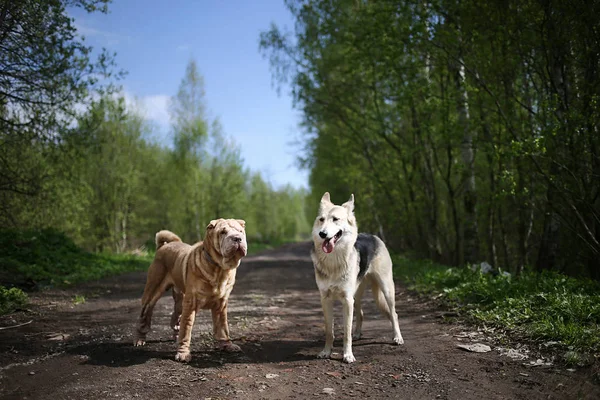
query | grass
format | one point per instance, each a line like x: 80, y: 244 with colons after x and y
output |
x: 11, y: 300
x: 546, y: 307
x: 33, y: 260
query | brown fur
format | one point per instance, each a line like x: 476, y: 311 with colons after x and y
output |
x: 202, y: 277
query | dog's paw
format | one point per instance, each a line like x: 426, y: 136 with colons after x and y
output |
x: 139, y: 342
x: 183, y: 356
x: 325, y: 353
x: 349, y: 358
x: 398, y: 340
x: 229, y: 347
x: 356, y: 336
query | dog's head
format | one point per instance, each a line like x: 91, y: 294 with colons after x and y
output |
x: 228, y: 239
x: 335, y: 226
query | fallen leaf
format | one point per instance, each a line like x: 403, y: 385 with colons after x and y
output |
x: 335, y: 374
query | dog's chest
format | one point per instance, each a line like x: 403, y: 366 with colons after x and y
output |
x: 214, y: 288
x: 336, y: 289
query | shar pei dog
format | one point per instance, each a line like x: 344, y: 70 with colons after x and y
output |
x: 202, y: 277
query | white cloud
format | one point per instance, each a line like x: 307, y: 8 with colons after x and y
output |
x: 154, y: 108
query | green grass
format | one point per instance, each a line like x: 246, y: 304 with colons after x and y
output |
x: 33, y: 260
x: 11, y: 300
x: 543, y: 307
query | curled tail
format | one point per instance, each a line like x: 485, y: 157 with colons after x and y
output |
x: 164, y: 237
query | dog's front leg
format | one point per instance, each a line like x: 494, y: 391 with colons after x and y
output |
x: 348, y: 310
x: 327, y: 304
x: 221, y: 327
x: 188, y: 315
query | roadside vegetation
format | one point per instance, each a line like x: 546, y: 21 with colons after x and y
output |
x: 33, y: 260
x: 546, y: 307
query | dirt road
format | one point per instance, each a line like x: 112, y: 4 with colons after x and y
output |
x: 85, y: 351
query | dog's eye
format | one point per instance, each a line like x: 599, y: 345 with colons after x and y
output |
x: 223, y: 232
x: 322, y: 219
x: 335, y: 219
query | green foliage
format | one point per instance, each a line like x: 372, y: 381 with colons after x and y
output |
x: 466, y: 130
x: 110, y: 187
x: 45, y: 71
x: 11, y: 300
x: 35, y: 259
x: 546, y: 307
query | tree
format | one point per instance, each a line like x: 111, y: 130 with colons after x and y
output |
x: 190, y: 134
x: 45, y: 71
x: 466, y: 124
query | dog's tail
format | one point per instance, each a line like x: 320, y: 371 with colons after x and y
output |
x: 164, y: 237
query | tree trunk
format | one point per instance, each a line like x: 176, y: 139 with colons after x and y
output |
x: 470, y: 232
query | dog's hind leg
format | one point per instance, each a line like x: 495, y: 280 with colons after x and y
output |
x: 384, y: 293
x: 176, y: 314
x: 358, y: 312
x: 327, y: 304
x: 152, y: 293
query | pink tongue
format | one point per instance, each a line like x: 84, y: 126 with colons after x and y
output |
x: 328, y: 246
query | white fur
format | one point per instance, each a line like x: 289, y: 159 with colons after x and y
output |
x: 336, y: 274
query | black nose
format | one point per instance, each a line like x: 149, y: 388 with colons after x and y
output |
x: 322, y: 234
x: 237, y: 239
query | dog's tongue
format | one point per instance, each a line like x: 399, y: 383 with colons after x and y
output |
x: 328, y: 246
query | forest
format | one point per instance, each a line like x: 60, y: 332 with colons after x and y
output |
x: 77, y: 158
x: 467, y: 130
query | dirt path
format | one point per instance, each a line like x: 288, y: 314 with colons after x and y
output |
x: 85, y: 351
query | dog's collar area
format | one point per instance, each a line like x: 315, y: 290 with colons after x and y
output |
x: 209, y: 258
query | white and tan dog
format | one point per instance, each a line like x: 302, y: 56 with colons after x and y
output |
x: 202, y: 277
x: 346, y: 262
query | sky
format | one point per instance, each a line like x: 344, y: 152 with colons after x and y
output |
x: 154, y: 40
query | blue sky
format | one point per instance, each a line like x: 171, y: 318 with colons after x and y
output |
x: 154, y: 40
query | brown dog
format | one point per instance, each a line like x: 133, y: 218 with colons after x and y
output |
x: 202, y: 277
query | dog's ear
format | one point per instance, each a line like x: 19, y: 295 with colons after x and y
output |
x: 326, y: 199
x: 349, y: 205
x: 325, y: 203
x: 242, y: 223
x: 212, y: 224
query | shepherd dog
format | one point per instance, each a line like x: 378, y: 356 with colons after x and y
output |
x: 202, y: 277
x: 346, y: 263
